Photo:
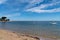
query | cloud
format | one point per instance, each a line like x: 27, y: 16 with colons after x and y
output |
x: 41, y: 8
x: 43, y: 11
x: 32, y: 3
x: 2, y: 1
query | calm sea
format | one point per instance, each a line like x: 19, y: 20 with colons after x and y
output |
x: 41, y: 28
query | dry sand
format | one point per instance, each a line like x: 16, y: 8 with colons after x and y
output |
x: 8, y: 35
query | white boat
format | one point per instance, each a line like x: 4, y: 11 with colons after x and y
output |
x: 53, y: 23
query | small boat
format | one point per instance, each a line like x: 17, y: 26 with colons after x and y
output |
x: 53, y: 22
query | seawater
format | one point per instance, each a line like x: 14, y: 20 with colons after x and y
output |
x: 41, y: 28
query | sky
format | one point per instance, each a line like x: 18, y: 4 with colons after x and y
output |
x: 30, y: 10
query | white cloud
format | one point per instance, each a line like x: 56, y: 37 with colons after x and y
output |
x: 54, y: 3
x: 33, y: 2
x: 30, y: 1
x: 2, y: 1
x: 40, y: 8
x: 36, y: 1
x: 39, y: 11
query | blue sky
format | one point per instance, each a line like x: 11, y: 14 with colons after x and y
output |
x: 30, y: 10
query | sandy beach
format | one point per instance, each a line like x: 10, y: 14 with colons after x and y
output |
x: 8, y: 35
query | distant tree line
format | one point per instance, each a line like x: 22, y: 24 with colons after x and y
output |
x: 4, y: 19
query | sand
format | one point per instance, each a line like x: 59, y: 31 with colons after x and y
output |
x: 8, y: 35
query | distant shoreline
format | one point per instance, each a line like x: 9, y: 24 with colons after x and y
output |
x: 31, y: 21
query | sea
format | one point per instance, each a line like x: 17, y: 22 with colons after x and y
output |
x: 39, y: 28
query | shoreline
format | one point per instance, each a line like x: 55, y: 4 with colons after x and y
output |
x: 40, y: 37
x: 9, y: 35
x: 24, y: 36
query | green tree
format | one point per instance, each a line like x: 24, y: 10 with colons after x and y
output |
x: 4, y: 19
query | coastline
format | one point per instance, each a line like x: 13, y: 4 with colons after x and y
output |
x: 9, y: 35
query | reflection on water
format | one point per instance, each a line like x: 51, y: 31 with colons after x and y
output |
x: 2, y: 25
